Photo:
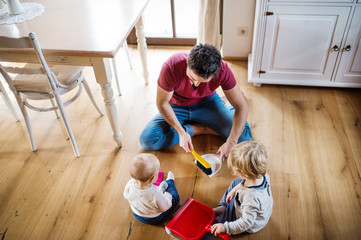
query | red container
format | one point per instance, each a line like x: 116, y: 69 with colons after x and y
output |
x: 192, y: 221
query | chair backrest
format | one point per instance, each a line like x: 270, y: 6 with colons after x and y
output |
x: 32, y: 43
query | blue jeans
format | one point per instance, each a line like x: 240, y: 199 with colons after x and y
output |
x: 211, y: 112
x: 175, y: 200
x: 229, y: 214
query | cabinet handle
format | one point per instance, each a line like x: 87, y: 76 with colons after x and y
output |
x: 347, y: 48
x: 335, y: 48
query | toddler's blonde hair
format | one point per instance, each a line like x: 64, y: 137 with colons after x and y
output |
x: 248, y: 159
x: 144, y: 166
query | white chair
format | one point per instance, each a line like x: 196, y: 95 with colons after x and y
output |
x: 41, y: 81
x: 8, y: 102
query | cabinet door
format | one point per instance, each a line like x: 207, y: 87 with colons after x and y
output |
x: 299, y: 41
x: 349, y: 69
x: 313, y: 1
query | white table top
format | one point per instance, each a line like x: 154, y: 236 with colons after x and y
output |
x: 81, y: 27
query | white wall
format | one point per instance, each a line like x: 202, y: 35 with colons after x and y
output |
x: 237, y: 14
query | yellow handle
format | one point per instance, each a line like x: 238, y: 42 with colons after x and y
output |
x: 200, y: 159
x: 194, y: 153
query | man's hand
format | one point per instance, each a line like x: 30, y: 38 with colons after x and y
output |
x: 185, y: 141
x: 224, y: 150
x: 218, y: 228
x: 165, y: 109
x: 236, y: 98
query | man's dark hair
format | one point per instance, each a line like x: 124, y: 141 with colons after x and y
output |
x: 205, y: 60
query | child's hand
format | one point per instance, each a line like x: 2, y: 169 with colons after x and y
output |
x: 232, y: 193
x: 230, y: 196
x: 218, y: 228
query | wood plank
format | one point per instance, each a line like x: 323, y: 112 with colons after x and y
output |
x: 349, y: 105
x: 335, y: 167
x: 27, y: 189
x: 312, y: 135
x: 304, y: 131
x: 286, y: 221
x: 68, y: 191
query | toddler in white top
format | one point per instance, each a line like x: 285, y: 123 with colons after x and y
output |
x: 150, y: 204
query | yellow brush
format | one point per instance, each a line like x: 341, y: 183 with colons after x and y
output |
x: 202, y: 163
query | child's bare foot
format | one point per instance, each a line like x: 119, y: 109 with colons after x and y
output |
x: 199, y: 129
x: 219, y: 210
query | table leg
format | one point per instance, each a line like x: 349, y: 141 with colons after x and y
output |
x: 103, y: 76
x: 142, y: 47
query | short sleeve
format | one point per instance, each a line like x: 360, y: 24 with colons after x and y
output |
x: 127, y: 187
x: 228, y: 81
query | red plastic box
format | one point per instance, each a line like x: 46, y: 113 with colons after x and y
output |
x: 193, y: 220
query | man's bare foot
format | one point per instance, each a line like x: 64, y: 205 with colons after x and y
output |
x: 200, y: 129
x: 219, y: 210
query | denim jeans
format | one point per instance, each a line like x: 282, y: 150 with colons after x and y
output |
x: 211, y: 112
x: 229, y: 214
x: 175, y: 200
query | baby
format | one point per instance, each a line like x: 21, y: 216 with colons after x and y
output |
x: 150, y: 204
x: 247, y: 203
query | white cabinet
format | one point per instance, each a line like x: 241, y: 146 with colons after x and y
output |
x: 313, y: 1
x: 303, y: 43
x: 298, y: 42
x: 349, y: 70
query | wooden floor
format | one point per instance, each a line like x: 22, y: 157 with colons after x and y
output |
x: 313, y: 136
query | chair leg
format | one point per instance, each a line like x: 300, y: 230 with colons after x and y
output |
x: 88, y: 91
x: 8, y: 102
x: 53, y: 104
x: 27, y: 120
x: 67, y: 124
x: 116, y: 75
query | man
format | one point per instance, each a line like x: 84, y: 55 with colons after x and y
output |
x: 189, y: 105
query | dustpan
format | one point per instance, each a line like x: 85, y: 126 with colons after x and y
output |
x: 192, y: 221
x: 215, y: 162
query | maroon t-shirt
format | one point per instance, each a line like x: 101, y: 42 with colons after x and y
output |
x: 173, y: 77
